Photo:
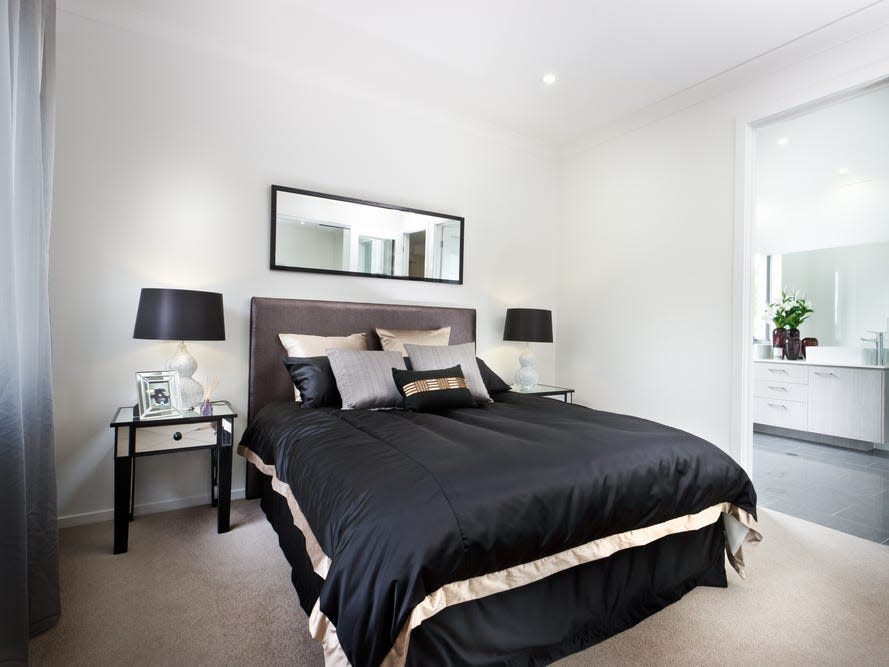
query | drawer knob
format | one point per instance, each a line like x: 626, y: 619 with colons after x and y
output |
x: 177, y: 436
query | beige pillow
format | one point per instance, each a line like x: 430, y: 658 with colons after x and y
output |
x: 393, y: 340
x: 306, y: 345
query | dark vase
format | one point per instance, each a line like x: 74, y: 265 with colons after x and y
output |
x: 793, y: 345
x: 779, y: 336
x: 809, y: 342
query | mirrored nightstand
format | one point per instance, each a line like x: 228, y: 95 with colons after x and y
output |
x: 135, y: 437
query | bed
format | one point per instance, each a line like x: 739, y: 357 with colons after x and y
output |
x: 517, y: 532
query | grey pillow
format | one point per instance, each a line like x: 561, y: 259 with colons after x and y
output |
x: 364, y: 378
x: 433, y: 357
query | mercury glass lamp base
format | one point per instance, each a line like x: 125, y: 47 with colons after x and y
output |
x: 527, y: 376
x: 190, y: 390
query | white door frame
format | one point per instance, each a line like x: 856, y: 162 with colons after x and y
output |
x: 741, y: 446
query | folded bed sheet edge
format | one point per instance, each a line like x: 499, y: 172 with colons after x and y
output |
x: 739, y: 525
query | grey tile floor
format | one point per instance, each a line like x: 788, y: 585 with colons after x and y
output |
x: 838, y: 488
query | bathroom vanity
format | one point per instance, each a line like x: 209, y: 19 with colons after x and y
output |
x: 835, y: 403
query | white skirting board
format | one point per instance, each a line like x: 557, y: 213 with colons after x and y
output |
x: 147, y: 508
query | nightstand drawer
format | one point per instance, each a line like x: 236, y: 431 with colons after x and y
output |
x: 787, y: 391
x: 785, y: 414
x: 162, y: 438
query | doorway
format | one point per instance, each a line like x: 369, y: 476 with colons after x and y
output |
x: 415, y: 243
x: 815, y: 288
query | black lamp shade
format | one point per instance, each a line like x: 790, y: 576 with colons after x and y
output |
x: 529, y: 325
x: 179, y: 314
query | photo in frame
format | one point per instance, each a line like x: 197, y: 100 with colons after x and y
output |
x: 158, y: 393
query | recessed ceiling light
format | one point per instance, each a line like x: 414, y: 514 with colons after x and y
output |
x: 783, y: 141
x: 842, y: 171
x: 549, y: 79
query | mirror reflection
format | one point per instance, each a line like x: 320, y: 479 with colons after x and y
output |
x: 329, y: 234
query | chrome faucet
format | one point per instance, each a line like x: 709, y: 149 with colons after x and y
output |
x: 879, y: 341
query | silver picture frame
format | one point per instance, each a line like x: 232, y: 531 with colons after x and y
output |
x: 158, y: 393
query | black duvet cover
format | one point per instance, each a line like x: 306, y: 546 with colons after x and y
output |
x: 405, y: 503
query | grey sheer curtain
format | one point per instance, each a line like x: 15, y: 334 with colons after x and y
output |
x: 29, y: 570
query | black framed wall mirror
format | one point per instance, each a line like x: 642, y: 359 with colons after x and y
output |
x: 324, y: 233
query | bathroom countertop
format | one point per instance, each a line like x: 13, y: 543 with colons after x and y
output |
x: 803, y: 362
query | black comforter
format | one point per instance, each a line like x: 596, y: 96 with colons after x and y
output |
x: 403, y: 503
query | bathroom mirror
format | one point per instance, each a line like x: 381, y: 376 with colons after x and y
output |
x: 324, y: 233
x: 846, y: 285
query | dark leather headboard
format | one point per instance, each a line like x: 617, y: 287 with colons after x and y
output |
x: 269, y: 380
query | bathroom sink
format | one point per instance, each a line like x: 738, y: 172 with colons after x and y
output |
x: 853, y: 356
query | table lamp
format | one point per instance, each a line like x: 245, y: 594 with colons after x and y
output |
x: 179, y: 314
x: 528, y: 325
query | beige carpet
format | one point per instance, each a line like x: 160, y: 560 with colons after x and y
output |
x: 184, y: 595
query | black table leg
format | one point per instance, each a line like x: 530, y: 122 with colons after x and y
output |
x: 214, y: 475
x: 225, y: 488
x: 132, y: 487
x: 121, y: 502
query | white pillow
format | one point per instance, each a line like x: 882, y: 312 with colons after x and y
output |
x: 432, y: 358
x: 306, y: 345
x: 394, y: 339
x: 364, y: 378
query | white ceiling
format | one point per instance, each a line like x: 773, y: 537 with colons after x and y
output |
x: 822, y: 178
x: 484, y: 59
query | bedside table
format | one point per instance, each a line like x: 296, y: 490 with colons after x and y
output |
x: 546, y: 390
x: 134, y: 437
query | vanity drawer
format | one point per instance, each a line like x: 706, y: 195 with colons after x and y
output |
x: 796, y: 373
x: 162, y: 438
x: 777, y: 412
x: 786, y: 391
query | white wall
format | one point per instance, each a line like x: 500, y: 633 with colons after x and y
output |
x: 648, y: 248
x: 164, y: 160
